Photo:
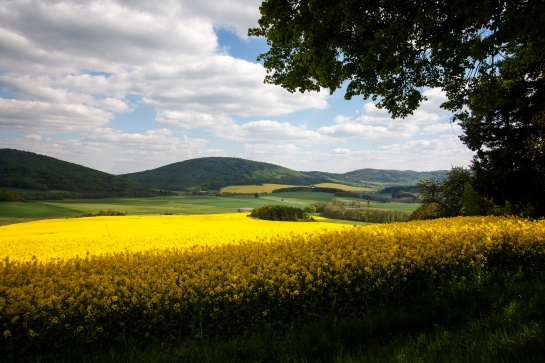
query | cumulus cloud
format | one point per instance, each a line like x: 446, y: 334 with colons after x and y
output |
x: 272, y: 132
x: 159, y: 138
x: 421, y: 154
x: 117, y: 152
x: 358, y: 131
x: 38, y: 116
x: 271, y: 150
x: 373, y: 123
x: 86, y: 70
x: 442, y: 128
x: 97, y: 54
x: 428, y: 112
x: 193, y: 119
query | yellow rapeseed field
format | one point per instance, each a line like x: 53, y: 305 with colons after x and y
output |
x: 250, y: 189
x: 66, y: 238
x: 347, y: 188
x: 144, y: 280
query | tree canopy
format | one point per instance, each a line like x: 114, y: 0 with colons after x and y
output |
x: 488, y: 56
x: 393, y: 49
x: 447, y: 192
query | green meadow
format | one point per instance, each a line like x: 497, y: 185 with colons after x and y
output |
x: 20, y: 212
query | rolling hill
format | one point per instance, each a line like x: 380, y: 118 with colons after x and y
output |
x: 26, y: 170
x: 213, y: 173
x: 369, y: 177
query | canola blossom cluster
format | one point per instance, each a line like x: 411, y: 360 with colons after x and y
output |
x: 216, y: 289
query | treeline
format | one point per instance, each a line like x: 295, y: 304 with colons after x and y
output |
x: 400, y: 189
x: 6, y: 196
x: 278, y: 213
x: 369, y: 215
x: 348, y: 194
x: 104, y: 213
x: 293, y: 189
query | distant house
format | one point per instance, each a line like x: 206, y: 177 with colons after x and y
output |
x: 245, y: 209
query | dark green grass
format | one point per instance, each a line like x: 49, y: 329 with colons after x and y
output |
x: 13, y: 212
x: 500, y: 321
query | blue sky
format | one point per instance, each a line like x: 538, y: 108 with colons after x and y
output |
x: 126, y: 85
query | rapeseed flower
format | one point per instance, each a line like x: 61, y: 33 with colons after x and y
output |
x: 188, y: 276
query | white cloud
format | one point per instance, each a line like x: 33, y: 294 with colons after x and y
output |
x: 114, y: 105
x: 359, y: 131
x: 271, y: 150
x: 192, y: 119
x: 88, y: 69
x: 237, y: 14
x: 442, y: 128
x: 98, y: 53
x: 272, y: 132
x: 425, y: 155
x: 428, y: 112
x: 117, y: 152
x: 37, y: 116
x: 341, y: 151
x: 34, y: 137
x: 152, y: 142
x: 223, y: 84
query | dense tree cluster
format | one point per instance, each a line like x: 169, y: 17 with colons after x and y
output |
x: 278, y: 213
x: 447, y: 192
x: 6, y: 196
x: 369, y: 215
x: 453, y: 195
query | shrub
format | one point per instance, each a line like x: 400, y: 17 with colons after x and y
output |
x: 426, y: 211
x: 310, y: 209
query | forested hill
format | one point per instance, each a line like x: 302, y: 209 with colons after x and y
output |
x: 216, y: 172
x: 377, y: 176
x: 26, y: 170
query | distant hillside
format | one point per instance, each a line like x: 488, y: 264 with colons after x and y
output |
x: 26, y: 170
x: 214, y: 173
x: 376, y: 176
